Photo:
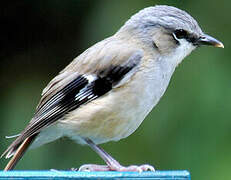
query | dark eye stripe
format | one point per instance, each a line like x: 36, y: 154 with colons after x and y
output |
x: 182, y: 34
x: 191, y: 39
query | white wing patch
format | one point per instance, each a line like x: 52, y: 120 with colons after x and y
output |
x: 90, y: 77
x: 86, y: 92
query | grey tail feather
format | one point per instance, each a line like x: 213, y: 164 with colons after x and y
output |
x: 11, y: 153
x: 10, y: 150
x: 17, y: 149
x: 13, y: 136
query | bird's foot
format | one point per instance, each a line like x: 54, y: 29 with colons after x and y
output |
x: 93, y: 167
x: 112, y: 164
x: 132, y: 168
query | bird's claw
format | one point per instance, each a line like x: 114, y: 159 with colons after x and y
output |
x: 132, y: 168
x: 135, y: 168
x: 93, y: 167
x: 147, y: 167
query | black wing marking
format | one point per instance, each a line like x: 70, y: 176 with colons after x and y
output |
x: 81, y: 90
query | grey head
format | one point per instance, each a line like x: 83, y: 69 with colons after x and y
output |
x: 168, y: 28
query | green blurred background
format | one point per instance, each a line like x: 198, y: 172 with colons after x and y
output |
x: 190, y: 127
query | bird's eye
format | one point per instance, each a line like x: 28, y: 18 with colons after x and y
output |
x: 180, y: 33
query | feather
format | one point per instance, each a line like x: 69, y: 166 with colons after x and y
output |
x: 18, y: 153
x: 79, y: 84
x: 13, y: 136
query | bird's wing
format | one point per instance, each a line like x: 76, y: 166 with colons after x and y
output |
x: 91, y: 75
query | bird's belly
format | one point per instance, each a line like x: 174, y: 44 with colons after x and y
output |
x: 115, y: 115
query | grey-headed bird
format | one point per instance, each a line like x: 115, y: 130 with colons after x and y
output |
x: 106, y: 92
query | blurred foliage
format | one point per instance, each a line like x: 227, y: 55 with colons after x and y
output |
x: 190, y: 127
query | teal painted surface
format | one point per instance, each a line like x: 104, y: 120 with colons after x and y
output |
x: 58, y: 175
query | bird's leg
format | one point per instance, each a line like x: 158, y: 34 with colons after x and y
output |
x: 112, y: 164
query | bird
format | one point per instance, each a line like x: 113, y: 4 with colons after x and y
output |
x: 106, y: 92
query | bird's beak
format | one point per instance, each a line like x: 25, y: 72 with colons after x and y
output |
x: 208, y: 40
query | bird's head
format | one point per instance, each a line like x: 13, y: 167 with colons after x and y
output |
x: 168, y: 30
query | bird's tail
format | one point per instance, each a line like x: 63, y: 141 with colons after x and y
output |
x: 17, y: 149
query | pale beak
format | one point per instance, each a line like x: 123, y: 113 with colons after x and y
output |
x: 208, y: 40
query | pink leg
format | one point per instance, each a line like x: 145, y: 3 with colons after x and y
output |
x: 112, y: 164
